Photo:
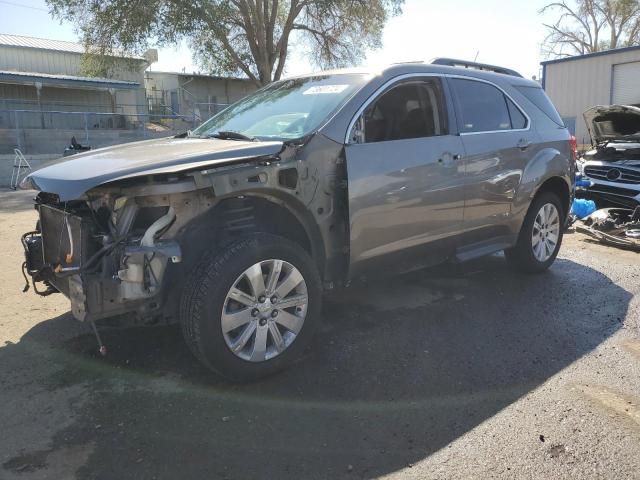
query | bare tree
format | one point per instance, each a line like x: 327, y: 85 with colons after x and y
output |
x: 249, y: 37
x: 589, y: 26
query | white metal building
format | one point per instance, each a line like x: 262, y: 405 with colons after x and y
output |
x: 41, y: 74
x: 193, y: 95
x: 575, y: 84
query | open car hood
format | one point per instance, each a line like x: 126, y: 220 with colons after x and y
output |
x: 613, y: 122
x: 70, y: 177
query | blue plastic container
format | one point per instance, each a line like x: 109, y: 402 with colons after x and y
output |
x: 583, y: 208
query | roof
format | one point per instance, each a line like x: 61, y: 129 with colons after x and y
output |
x: 613, y: 51
x: 49, y: 44
x: 396, y: 69
x: 41, y: 43
x: 454, y: 62
x: 64, y: 80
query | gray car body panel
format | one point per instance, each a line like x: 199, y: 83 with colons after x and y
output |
x: 70, y: 177
x: 399, y: 199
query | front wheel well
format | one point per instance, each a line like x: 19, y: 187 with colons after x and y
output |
x: 240, y: 216
x: 226, y: 222
x: 559, y: 187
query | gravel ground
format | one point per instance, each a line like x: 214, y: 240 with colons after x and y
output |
x: 467, y: 371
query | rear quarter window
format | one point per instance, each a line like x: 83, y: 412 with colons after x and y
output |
x: 518, y: 120
x: 538, y: 97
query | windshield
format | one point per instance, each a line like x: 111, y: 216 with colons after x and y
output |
x: 284, y: 110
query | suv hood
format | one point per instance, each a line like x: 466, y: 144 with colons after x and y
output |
x: 613, y: 122
x: 70, y: 177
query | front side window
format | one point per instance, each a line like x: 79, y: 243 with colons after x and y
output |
x: 411, y: 109
x: 484, y: 108
x: 287, y: 109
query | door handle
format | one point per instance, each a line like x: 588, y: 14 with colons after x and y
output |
x: 524, y: 143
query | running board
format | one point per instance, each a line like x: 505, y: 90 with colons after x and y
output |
x: 469, y: 252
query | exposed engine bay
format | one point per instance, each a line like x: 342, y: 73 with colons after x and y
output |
x: 615, y: 152
x: 104, y: 251
x: 618, y: 227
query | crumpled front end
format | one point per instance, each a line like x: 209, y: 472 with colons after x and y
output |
x: 131, y: 243
x: 107, y: 254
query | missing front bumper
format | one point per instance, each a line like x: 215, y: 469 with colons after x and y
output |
x: 101, y: 277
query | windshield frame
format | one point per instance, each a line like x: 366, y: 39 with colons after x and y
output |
x: 364, y: 78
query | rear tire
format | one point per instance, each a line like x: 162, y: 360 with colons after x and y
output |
x: 232, y: 296
x: 540, y: 236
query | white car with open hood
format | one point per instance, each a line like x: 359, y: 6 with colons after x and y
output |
x: 612, y: 167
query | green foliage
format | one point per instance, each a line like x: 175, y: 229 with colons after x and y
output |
x: 106, y: 65
x: 234, y: 37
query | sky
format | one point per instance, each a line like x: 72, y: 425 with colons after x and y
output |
x: 505, y: 33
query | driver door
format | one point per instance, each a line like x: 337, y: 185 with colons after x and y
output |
x: 405, y: 171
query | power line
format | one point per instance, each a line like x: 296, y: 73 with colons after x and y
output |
x: 24, y: 6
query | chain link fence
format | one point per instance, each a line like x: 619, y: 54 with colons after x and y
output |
x: 49, y: 132
x: 204, y: 111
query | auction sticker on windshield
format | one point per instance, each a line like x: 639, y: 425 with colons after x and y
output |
x: 319, y: 89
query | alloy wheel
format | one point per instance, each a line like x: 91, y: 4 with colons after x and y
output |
x: 546, y: 232
x: 264, y: 310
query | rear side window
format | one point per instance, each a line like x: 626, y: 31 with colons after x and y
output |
x: 484, y: 108
x: 537, y: 96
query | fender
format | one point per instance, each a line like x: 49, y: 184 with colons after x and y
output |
x: 549, y: 162
x: 314, y: 196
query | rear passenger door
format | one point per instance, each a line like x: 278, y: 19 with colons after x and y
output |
x: 496, y: 137
x: 404, y: 169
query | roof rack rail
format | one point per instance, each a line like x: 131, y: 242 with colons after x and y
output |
x: 452, y: 62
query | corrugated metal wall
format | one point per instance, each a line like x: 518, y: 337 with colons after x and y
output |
x: 578, y: 84
x: 40, y: 61
x: 23, y: 97
x: 57, y: 63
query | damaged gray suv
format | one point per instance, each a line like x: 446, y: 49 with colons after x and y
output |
x: 235, y: 229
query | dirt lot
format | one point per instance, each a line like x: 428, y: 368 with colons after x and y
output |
x: 459, y: 372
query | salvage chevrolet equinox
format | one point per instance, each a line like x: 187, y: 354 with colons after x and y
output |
x: 236, y: 228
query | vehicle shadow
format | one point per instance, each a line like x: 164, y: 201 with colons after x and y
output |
x: 400, y: 368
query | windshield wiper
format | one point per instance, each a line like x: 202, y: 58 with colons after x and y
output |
x: 231, y: 135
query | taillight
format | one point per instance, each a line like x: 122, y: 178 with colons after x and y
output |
x: 573, y: 147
